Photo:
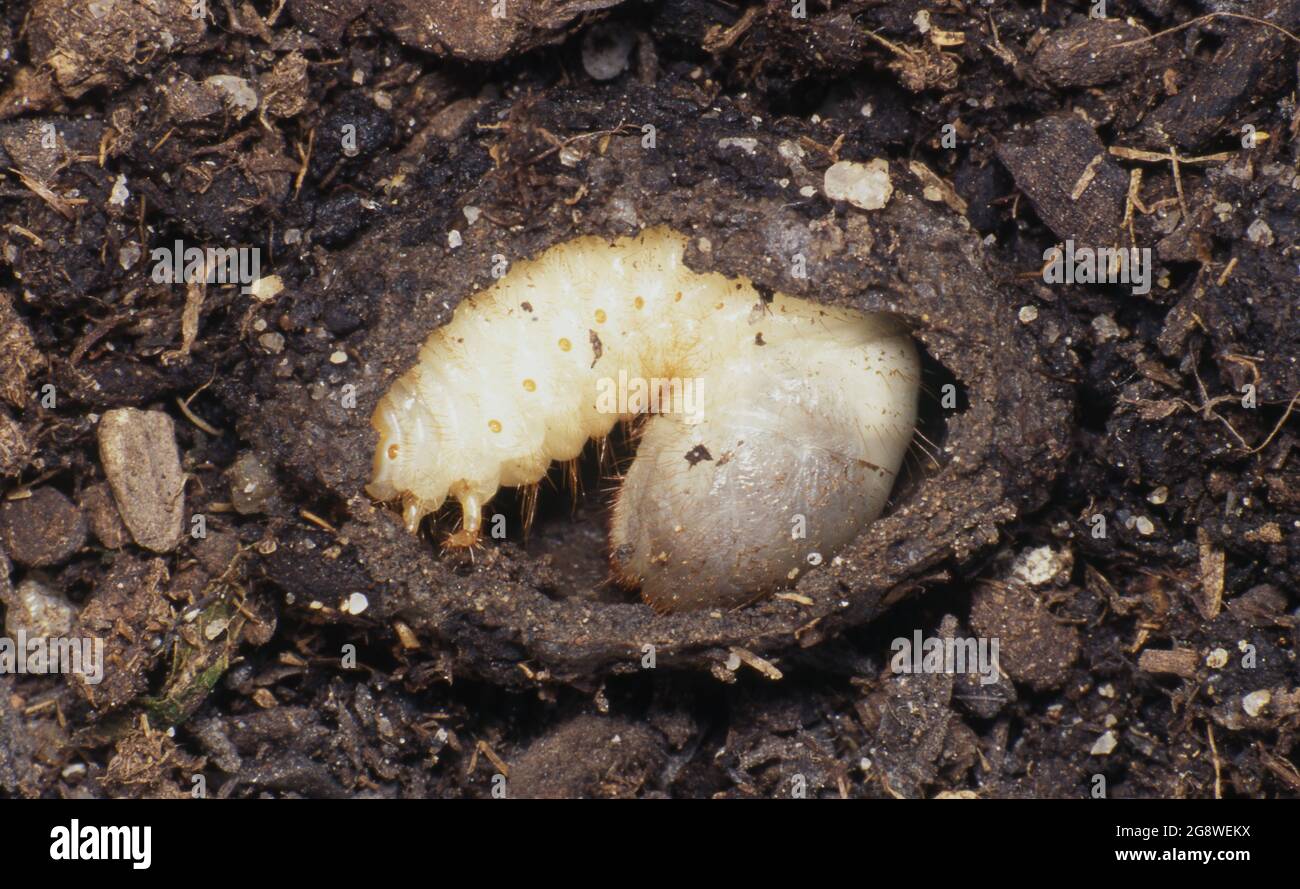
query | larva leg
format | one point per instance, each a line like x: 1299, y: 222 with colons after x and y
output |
x: 471, y: 520
x: 412, y: 514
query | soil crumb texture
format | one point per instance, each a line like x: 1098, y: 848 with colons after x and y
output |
x: 228, y: 228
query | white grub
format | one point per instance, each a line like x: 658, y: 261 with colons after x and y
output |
x: 547, y: 358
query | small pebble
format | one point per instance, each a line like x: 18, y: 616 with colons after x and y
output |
x: 745, y: 144
x: 1259, y: 233
x: 355, y: 604
x: 236, y: 92
x: 120, y: 193
x: 1255, y: 703
x: 251, y: 486
x: 1105, y: 328
x: 38, y: 611
x: 1041, y: 565
x: 1105, y: 745
x: 138, y: 451
x: 865, y: 186
x: 266, y: 289
x: 43, y: 529
x: 128, y: 254
x: 605, y: 50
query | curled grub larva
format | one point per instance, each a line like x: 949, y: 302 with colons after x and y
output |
x: 779, y: 425
x: 1001, y: 419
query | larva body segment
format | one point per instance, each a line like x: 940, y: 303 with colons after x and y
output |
x: 764, y: 412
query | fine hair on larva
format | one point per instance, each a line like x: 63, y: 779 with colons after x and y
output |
x: 779, y: 424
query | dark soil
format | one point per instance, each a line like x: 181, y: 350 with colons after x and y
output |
x: 1109, y: 483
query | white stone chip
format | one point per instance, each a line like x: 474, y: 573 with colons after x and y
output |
x: 266, y: 289
x: 865, y: 186
x: 1105, y: 745
x: 1255, y: 702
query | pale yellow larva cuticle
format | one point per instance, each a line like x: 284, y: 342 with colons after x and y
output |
x: 734, y: 451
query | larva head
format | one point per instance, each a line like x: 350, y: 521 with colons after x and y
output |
x: 798, y: 450
x: 402, y: 460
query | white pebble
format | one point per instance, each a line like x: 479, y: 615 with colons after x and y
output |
x: 865, y: 186
x: 266, y: 289
x: 746, y: 144
x: 355, y: 604
x: 120, y: 192
x: 1260, y: 233
x: 1105, y: 745
x: 1255, y: 702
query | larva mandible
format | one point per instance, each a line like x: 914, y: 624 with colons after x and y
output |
x: 780, y: 429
